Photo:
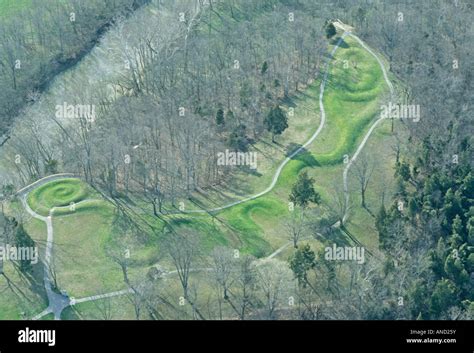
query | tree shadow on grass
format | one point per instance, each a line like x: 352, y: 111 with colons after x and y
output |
x: 249, y: 171
x: 31, y: 280
x: 306, y: 95
x: 35, y: 278
x: 215, y: 202
x: 324, y: 232
x: 221, y: 190
x: 15, y: 289
x: 288, y: 101
x: 71, y: 313
x: 240, y: 189
x: 267, y: 154
x: 303, y: 155
x: 275, y: 145
x: 343, y: 44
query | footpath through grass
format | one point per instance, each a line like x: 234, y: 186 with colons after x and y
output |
x: 352, y: 100
x: 84, y: 228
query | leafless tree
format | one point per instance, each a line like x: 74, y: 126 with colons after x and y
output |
x: 274, y: 279
x: 183, y: 249
x: 296, y: 225
x: 363, y: 170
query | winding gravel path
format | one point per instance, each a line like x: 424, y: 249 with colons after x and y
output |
x: 314, y: 136
x: 292, y: 155
x: 369, y: 133
x: 58, y: 302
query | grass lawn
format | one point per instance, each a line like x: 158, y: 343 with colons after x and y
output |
x: 7, y: 7
x: 381, y: 184
x: 21, y: 295
x: 81, y: 234
x: 83, y: 265
x: 122, y: 308
x: 115, y: 308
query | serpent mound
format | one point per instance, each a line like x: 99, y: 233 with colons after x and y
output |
x: 57, y: 193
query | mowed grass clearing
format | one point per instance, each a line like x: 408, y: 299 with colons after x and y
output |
x: 81, y: 263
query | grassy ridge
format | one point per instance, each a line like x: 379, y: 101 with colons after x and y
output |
x: 351, y: 100
x: 59, y: 193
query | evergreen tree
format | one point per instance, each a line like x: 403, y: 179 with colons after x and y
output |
x: 455, y: 270
x: 470, y: 231
x: 412, y: 207
x: 403, y: 170
x: 246, y: 94
x: 276, y: 121
x: 303, y: 191
x: 303, y: 260
x: 436, y: 258
x: 444, y: 296
x: 400, y: 188
x: 452, y: 207
x: 456, y: 237
x: 330, y: 30
x: 220, y: 117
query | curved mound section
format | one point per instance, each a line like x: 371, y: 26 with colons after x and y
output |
x: 356, y: 76
x: 354, y: 92
x: 59, y: 193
